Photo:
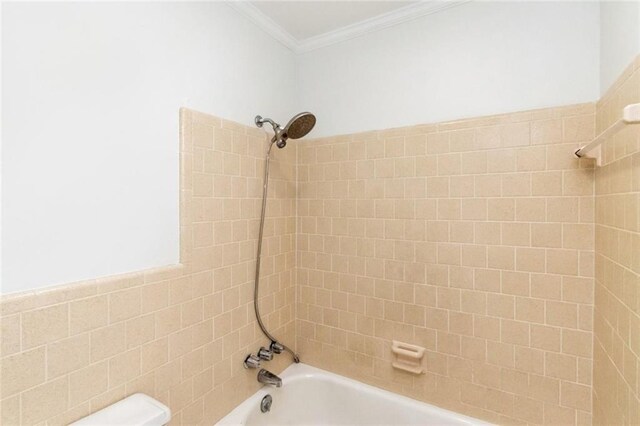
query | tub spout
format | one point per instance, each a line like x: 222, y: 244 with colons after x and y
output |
x: 268, y: 378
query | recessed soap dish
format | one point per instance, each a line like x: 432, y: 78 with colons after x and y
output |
x: 408, y: 357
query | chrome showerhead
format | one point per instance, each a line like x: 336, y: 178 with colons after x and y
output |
x: 299, y: 126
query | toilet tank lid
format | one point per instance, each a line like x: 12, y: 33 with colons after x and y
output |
x: 135, y: 410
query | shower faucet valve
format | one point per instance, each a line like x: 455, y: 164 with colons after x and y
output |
x: 276, y: 348
x: 265, y: 354
x: 251, y: 361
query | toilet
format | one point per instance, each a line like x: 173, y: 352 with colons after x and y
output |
x: 135, y: 410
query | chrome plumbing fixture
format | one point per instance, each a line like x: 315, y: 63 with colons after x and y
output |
x: 299, y: 126
x: 266, y: 354
x: 251, y: 361
x: 268, y: 378
x: 265, y: 404
x: 276, y: 347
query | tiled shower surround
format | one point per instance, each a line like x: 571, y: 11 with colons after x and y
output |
x: 474, y: 239
x: 616, y: 374
x: 179, y: 333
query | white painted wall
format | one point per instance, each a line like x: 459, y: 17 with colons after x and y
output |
x: 619, y: 39
x: 90, y: 126
x: 92, y: 91
x: 475, y: 59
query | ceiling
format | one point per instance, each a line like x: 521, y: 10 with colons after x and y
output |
x: 306, y: 19
x: 307, y: 25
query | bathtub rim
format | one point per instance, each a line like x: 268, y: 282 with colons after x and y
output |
x: 297, y: 372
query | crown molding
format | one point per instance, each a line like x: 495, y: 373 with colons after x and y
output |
x: 376, y: 23
x: 267, y: 24
x: 357, y: 29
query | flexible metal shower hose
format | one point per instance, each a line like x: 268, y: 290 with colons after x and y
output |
x: 265, y: 186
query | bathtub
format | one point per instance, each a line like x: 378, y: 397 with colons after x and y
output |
x: 310, y: 396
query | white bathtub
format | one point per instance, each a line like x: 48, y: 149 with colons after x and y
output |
x: 310, y: 396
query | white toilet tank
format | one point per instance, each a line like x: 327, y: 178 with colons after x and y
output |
x: 135, y: 410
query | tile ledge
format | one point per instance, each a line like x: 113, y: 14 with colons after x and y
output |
x: 32, y: 299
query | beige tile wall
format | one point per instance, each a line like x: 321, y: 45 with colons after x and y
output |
x: 616, y: 384
x: 177, y: 333
x: 471, y: 238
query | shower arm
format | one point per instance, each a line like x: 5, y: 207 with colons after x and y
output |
x: 265, y: 188
x: 260, y: 122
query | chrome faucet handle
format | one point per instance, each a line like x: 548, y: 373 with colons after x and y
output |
x: 276, y: 347
x: 265, y: 354
x: 251, y: 361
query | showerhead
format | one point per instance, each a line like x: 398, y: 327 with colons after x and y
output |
x: 299, y: 126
